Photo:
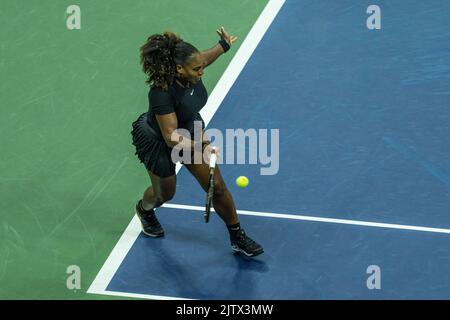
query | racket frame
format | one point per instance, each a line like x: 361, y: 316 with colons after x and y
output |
x: 210, y: 192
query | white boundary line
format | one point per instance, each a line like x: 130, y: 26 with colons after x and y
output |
x: 141, y: 296
x: 134, y: 229
x: 117, y: 255
x: 319, y: 219
x: 216, y: 97
x: 240, y: 59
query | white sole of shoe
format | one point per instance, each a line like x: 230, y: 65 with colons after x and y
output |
x: 151, y: 234
x: 237, y: 249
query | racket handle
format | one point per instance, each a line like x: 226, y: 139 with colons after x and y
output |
x: 213, y: 160
x: 209, y: 196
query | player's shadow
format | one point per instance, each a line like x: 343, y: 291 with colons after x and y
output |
x: 245, y: 263
x: 244, y: 280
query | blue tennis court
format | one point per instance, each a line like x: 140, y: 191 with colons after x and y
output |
x: 364, y: 136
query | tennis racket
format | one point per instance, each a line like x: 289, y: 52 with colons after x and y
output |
x: 209, y: 194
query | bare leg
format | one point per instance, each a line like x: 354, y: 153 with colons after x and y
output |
x: 222, y: 201
x: 161, y: 190
x: 224, y: 206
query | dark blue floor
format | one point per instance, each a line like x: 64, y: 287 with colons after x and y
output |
x: 363, y: 115
x: 303, y: 260
x: 364, y: 134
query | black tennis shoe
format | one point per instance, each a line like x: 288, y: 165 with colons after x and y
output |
x: 150, y: 224
x: 243, y: 243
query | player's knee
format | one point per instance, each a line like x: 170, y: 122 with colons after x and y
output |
x: 158, y: 203
x: 166, y: 195
x: 219, y: 189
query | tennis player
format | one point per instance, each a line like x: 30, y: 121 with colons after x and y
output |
x: 174, y: 69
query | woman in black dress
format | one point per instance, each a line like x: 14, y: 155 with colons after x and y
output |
x: 174, y: 69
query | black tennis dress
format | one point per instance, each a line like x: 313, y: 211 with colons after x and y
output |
x: 151, y: 148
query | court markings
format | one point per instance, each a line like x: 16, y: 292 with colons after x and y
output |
x: 134, y: 229
x: 319, y: 219
x: 215, y: 99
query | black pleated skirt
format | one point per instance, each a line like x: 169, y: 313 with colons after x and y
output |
x: 151, y: 148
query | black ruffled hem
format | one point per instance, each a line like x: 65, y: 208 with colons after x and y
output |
x: 151, y: 151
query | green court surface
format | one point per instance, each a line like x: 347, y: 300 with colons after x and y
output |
x: 68, y: 175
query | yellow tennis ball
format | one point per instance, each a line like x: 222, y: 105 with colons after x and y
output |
x: 242, y: 182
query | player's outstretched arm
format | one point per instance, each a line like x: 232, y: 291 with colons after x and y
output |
x: 226, y: 41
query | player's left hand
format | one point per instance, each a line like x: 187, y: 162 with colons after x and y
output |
x: 225, y: 36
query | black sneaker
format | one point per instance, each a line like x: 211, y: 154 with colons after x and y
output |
x: 242, y: 243
x: 150, y: 224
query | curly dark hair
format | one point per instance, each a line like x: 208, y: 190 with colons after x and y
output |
x: 160, y: 55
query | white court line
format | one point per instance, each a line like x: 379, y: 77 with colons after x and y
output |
x: 141, y: 296
x: 318, y: 219
x: 215, y: 99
